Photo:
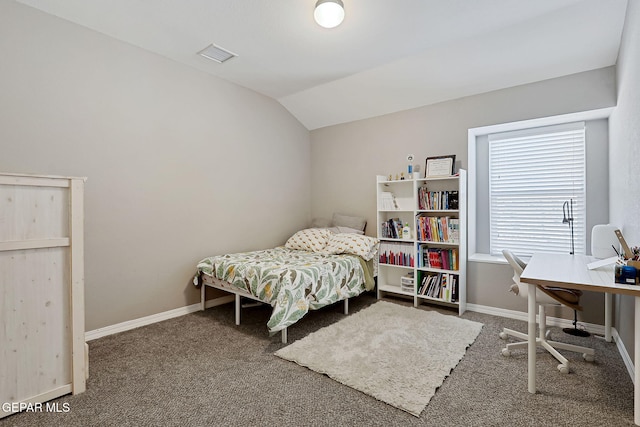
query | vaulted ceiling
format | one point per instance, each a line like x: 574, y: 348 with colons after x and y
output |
x: 386, y: 56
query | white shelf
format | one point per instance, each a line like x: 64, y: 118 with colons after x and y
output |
x: 390, y: 239
x: 427, y: 242
x: 395, y: 289
x: 439, y: 211
x: 437, y: 270
x: 438, y: 178
x: 396, y: 266
x: 405, y: 193
x: 437, y: 300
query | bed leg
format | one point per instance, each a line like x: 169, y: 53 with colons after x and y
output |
x: 346, y: 306
x: 284, y: 336
x: 203, y: 297
x: 237, y: 309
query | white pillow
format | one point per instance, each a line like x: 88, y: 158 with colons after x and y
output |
x: 309, y: 239
x: 348, y: 243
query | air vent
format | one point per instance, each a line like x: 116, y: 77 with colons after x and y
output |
x: 216, y: 53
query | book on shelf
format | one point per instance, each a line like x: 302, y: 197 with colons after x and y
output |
x: 388, y: 201
x: 437, y: 200
x: 454, y: 229
x: 391, y: 229
x: 396, y: 254
x: 442, y: 286
x: 437, y: 229
x: 445, y: 259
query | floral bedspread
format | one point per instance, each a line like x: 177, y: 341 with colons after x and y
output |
x: 292, y: 281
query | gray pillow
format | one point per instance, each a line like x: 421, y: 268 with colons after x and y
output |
x: 357, y: 222
x: 320, y: 223
x: 339, y: 229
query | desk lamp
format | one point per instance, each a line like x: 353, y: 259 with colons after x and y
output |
x: 567, y: 212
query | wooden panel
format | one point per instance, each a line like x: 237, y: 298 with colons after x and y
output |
x: 34, y: 244
x: 76, y: 225
x: 42, y: 349
x: 33, y: 213
x: 33, y: 180
x: 34, y: 311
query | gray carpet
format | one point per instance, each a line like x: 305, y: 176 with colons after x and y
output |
x: 202, y: 370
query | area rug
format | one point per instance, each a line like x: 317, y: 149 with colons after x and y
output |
x: 397, y: 354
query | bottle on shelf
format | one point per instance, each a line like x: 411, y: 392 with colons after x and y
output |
x: 406, y: 231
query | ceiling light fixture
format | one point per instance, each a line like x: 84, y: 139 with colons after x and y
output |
x: 329, y: 13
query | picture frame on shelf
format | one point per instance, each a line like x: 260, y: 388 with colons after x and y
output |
x: 440, y: 166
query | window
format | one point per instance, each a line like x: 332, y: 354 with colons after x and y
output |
x: 532, y: 174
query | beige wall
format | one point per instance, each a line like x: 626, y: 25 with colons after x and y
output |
x: 180, y: 165
x: 624, y: 134
x: 177, y: 160
x: 346, y: 158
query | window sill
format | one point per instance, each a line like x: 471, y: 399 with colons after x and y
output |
x: 486, y: 258
x: 490, y: 259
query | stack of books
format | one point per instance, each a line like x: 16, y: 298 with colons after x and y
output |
x: 388, y: 201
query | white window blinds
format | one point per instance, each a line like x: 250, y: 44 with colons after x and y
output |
x: 532, y: 172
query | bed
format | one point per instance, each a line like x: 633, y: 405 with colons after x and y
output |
x: 315, y: 268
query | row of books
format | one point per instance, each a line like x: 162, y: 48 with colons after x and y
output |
x: 437, y: 229
x: 391, y: 229
x: 443, y: 286
x: 396, y: 254
x: 446, y: 259
x: 437, y: 200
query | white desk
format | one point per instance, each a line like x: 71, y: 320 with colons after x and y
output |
x: 570, y: 271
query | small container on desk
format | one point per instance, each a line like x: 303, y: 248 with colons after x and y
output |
x: 628, y: 274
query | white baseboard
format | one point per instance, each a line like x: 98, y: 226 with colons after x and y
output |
x: 520, y: 315
x: 628, y: 362
x: 154, y: 318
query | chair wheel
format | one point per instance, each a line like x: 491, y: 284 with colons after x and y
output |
x: 588, y: 357
x: 502, y: 335
x: 505, y: 352
x: 563, y: 369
